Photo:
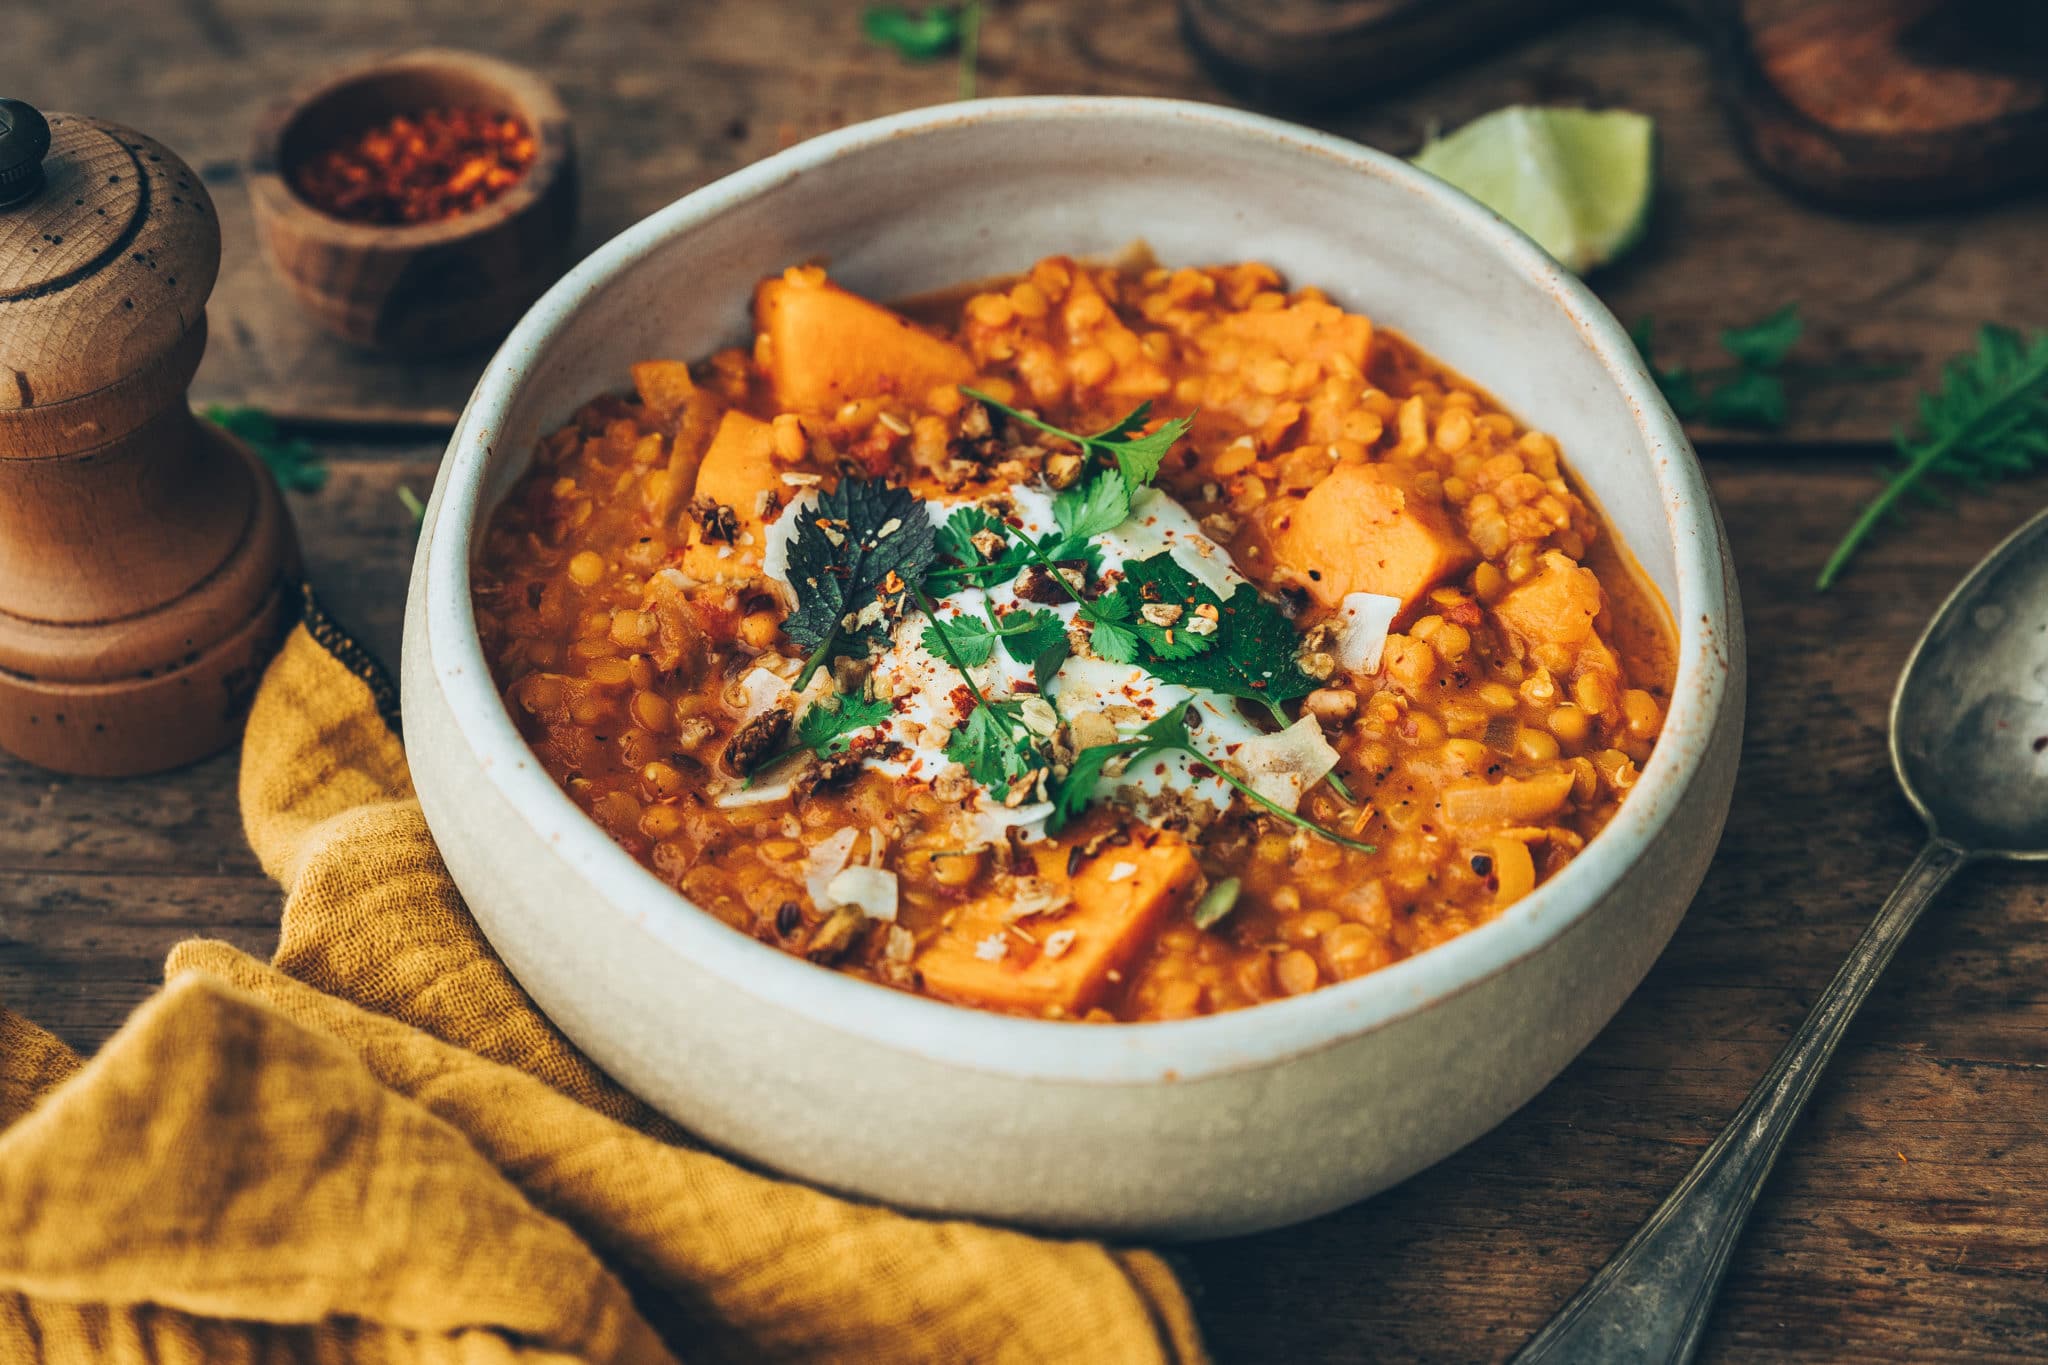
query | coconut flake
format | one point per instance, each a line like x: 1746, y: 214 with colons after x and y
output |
x: 870, y: 890
x: 1282, y: 766
x: 994, y: 948
x: 1057, y: 943
x: 775, y: 555
x: 1363, y: 619
x: 825, y: 861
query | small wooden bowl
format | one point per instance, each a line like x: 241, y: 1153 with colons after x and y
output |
x: 421, y: 288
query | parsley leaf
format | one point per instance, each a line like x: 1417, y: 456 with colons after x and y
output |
x: 1987, y: 421
x: 919, y: 37
x: 293, y: 462
x: 861, y: 543
x: 1161, y: 581
x: 827, y: 727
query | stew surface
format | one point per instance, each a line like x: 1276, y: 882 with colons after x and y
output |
x: 1318, y: 660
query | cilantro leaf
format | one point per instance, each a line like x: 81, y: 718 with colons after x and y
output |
x: 920, y: 37
x: 1027, y: 635
x: 861, y: 543
x: 955, y: 540
x: 1114, y: 642
x: 1160, y: 581
x: 1766, y: 343
x: 988, y: 746
x: 1168, y: 734
x: 1252, y: 657
x: 972, y: 641
x: 1091, y: 507
x: 1048, y: 664
x: 1075, y: 790
x: 827, y: 727
x: 1137, y: 458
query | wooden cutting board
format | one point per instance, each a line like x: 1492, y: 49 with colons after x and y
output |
x: 1858, y: 103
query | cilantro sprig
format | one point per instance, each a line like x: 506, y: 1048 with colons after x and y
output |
x: 828, y: 726
x: 1025, y: 635
x: 1137, y: 454
x: 1750, y: 392
x: 1167, y: 735
x: 1987, y: 421
x: 933, y: 33
x: 856, y: 552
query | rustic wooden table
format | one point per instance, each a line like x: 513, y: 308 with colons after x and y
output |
x: 1909, y: 1218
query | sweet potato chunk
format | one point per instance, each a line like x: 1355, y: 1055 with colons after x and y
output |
x: 1555, y: 606
x: 664, y: 385
x: 1119, y: 899
x: 1474, y: 802
x: 683, y: 645
x: 826, y: 346
x: 736, y: 469
x: 1362, y: 530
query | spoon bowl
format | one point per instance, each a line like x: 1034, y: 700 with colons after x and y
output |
x: 1969, y: 729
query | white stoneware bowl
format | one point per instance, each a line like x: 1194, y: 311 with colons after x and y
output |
x: 1196, y: 1128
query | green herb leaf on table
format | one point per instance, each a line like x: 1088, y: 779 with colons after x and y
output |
x: 827, y: 727
x: 921, y: 37
x: 1987, y: 421
x: 292, y: 461
x: 1765, y: 344
x: 932, y: 33
x: 862, y: 543
x: 1749, y: 399
x: 410, y: 500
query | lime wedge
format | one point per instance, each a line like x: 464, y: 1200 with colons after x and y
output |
x: 1577, y: 180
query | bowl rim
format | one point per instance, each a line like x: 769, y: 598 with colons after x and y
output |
x: 1061, y: 1051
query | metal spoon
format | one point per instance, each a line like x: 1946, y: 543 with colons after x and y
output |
x: 1969, y: 739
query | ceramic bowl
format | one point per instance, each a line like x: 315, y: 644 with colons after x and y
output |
x: 1192, y: 1128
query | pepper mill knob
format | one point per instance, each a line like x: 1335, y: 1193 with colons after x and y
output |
x: 24, y: 140
x: 147, y: 566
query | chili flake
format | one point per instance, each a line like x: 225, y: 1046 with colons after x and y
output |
x: 419, y: 168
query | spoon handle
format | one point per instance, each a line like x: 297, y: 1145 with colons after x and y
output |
x: 1648, y: 1305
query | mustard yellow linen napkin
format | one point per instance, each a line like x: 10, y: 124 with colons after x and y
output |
x: 375, y: 1149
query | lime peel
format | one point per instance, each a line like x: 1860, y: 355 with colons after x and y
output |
x: 1578, y: 181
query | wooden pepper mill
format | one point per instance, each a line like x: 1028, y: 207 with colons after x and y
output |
x: 147, y: 564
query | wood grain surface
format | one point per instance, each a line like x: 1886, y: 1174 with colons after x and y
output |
x: 1909, y: 1219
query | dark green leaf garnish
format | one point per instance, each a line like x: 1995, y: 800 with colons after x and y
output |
x: 862, y: 543
x: 1173, y: 593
